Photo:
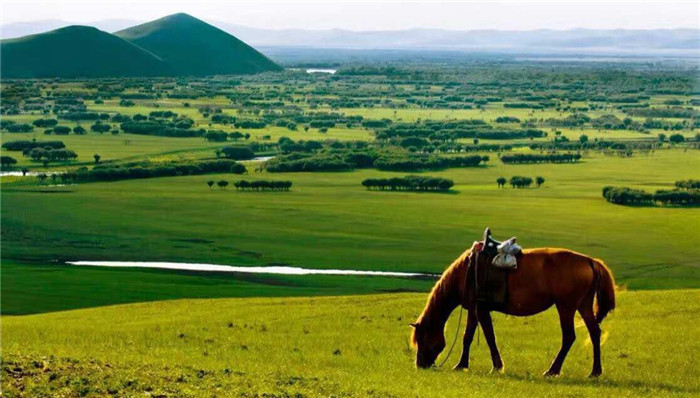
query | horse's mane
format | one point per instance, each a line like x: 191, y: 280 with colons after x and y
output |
x: 442, y: 289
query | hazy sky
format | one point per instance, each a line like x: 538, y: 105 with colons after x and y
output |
x: 364, y: 15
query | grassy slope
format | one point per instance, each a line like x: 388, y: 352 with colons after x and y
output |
x: 330, y: 213
x: 344, y: 346
x: 193, y: 47
x: 31, y: 288
x: 76, y: 51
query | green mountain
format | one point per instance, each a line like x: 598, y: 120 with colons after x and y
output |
x: 76, y: 51
x: 193, y: 47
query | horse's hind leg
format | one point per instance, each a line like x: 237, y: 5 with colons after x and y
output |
x: 487, y: 327
x: 568, y: 336
x: 586, y: 311
x: 472, y: 323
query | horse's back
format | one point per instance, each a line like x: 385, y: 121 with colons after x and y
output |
x: 547, y: 276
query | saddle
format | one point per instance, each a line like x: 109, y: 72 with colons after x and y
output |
x: 489, y: 266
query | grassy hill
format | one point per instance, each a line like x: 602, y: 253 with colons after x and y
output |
x: 193, y: 47
x: 76, y: 51
x: 340, y: 346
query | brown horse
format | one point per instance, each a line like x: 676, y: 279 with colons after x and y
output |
x: 544, y: 277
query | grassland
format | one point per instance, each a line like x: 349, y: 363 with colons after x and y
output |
x: 29, y: 288
x: 330, y: 213
x: 340, y: 346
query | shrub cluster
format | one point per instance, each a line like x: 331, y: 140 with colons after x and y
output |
x: 688, y: 184
x: 520, y: 158
x: 262, y: 185
x: 27, y: 145
x: 628, y: 196
x: 51, y: 154
x: 161, y: 128
x: 403, y: 162
x: 146, y: 170
x: 300, y: 162
x: 409, y: 183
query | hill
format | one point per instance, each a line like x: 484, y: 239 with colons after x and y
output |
x: 341, y: 346
x: 193, y: 47
x: 76, y: 51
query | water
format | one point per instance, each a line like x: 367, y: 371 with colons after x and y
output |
x: 314, y: 70
x: 261, y: 158
x: 29, y: 174
x: 279, y: 270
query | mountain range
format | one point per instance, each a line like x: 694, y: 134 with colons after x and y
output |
x: 581, y: 41
x: 176, y: 45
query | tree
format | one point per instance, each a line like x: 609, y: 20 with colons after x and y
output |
x: 539, y: 181
x: 210, y: 183
x: 41, y: 177
x: 476, y: 141
x: 662, y: 137
x: 501, y: 181
x: 25, y: 171
x: 583, y: 138
x: 222, y: 184
x: 7, y: 161
x: 97, y: 158
x: 676, y: 138
x: 79, y: 130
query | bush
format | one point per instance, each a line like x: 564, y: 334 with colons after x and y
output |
x: 146, y: 170
x: 24, y: 145
x: 238, y: 153
x: 263, y: 185
x: 520, y: 182
x: 45, y: 122
x: 409, y: 183
x: 18, y: 128
x: 7, y: 161
x: 521, y: 158
x: 682, y: 197
x: 216, y: 136
x: 627, y: 196
x: 688, y: 184
x: 300, y: 162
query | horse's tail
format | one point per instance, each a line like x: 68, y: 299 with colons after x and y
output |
x: 604, y: 290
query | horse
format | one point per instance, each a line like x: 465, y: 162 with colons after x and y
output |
x: 544, y: 277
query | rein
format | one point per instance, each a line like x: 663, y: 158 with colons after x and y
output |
x: 461, y: 307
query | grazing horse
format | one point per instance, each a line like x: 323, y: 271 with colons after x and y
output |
x: 544, y: 277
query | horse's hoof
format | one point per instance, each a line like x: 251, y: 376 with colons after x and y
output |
x: 461, y: 368
x: 594, y: 375
x: 550, y: 373
x: 499, y: 371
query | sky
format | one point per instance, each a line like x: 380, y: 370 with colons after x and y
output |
x: 375, y: 15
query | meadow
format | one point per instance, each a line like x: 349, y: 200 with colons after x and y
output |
x: 87, y: 331
x: 339, y: 346
x: 330, y: 213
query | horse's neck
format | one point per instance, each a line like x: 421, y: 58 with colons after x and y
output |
x: 447, y: 295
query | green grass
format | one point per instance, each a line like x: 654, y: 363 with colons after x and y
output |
x: 114, y: 147
x: 29, y: 288
x: 329, y: 221
x: 340, y: 346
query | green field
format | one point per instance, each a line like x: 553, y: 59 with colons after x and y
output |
x: 90, y: 331
x: 326, y: 214
x: 342, y: 346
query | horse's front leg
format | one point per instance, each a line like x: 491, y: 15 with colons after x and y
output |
x: 487, y: 327
x: 472, y: 323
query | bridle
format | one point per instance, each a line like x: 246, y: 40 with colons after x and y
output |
x: 477, y: 250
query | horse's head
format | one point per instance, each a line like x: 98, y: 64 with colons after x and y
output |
x: 429, y: 343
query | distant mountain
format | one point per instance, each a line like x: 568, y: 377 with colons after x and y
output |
x: 76, y: 51
x: 193, y: 47
x: 19, y: 29
x: 609, y: 41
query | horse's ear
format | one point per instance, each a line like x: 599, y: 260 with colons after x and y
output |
x: 414, y: 325
x: 487, y: 233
